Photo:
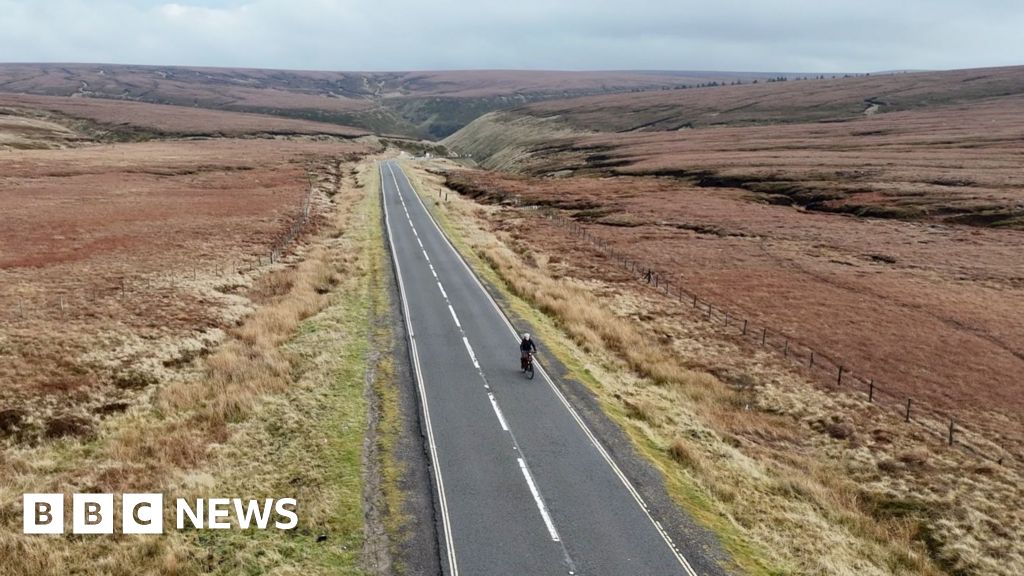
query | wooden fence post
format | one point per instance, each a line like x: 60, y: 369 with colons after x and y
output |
x: 951, y: 426
x: 744, y: 327
x: 839, y: 379
x: 908, y: 410
x: 785, y: 349
x: 812, y: 359
x: 764, y: 336
x: 871, y: 391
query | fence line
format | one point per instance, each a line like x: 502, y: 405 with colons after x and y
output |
x: 841, y: 376
x: 297, y: 226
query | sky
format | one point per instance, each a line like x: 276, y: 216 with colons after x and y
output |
x: 378, y: 35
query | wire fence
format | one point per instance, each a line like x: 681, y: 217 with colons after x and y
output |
x: 839, y: 375
x: 299, y: 224
x: 63, y: 301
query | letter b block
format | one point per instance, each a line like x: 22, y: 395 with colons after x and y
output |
x: 43, y: 514
x: 92, y: 514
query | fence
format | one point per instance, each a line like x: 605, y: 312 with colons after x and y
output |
x: 839, y: 375
x: 63, y: 301
x: 298, y: 224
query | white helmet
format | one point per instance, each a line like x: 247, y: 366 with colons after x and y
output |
x: 526, y: 335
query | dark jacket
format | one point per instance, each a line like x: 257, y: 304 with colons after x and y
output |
x: 527, y: 345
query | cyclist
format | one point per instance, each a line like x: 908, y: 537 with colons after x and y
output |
x: 526, y: 347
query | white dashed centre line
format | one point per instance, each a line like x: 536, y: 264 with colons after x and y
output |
x: 538, y: 499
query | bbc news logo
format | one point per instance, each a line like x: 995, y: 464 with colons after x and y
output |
x: 144, y: 514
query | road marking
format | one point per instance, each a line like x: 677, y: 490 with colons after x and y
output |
x: 497, y: 412
x: 453, y: 564
x: 565, y: 402
x: 452, y: 310
x: 540, y: 503
x: 469, y: 349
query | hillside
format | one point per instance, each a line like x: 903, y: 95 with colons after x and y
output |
x: 425, y: 104
x: 28, y: 121
x: 943, y: 148
x: 793, y: 101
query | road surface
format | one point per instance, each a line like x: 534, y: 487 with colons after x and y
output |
x: 523, y: 488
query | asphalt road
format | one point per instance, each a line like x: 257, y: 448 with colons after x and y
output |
x: 523, y: 488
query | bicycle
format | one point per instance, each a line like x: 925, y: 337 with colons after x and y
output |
x: 528, y: 365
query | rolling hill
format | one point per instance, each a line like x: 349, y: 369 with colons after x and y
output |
x: 924, y: 146
x: 418, y: 104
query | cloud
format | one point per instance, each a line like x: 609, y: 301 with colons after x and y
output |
x: 792, y: 35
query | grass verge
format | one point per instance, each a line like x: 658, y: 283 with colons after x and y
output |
x: 308, y: 441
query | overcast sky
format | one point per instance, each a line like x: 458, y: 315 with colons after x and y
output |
x: 747, y: 35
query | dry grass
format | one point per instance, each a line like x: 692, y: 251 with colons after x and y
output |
x: 759, y: 452
x: 594, y: 328
x: 120, y: 263
x: 251, y: 365
x: 266, y: 413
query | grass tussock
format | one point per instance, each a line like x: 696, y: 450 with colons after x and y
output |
x: 684, y: 454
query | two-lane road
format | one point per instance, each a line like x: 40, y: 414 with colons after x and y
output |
x: 523, y: 488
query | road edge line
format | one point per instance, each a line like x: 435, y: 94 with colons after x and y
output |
x: 432, y: 447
